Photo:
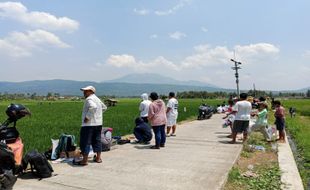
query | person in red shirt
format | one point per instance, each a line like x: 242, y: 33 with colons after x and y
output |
x: 280, y: 120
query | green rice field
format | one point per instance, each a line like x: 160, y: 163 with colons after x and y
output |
x: 51, y: 119
x: 299, y: 129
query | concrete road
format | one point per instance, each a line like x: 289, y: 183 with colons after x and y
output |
x: 197, y: 158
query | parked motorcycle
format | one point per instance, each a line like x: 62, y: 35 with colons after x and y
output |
x: 205, y: 112
x: 9, y: 135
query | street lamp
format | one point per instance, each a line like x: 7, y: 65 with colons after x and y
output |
x: 236, y: 67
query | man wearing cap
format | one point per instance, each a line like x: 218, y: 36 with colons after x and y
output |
x: 90, y: 133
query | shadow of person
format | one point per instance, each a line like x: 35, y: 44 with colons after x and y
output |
x: 143, y: 147
x: 228, y: 142
x: 222, y: 132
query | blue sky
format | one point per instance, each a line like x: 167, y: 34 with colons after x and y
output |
x: 183, y: 39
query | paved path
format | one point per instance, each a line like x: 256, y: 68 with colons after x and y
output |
x: 290, y: 177
x: 197, y: 158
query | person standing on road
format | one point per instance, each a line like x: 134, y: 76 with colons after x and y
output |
x: 172, y: 114
x: 243, y: 110
x: 90, y: 133
x: 280, y: 120
x: 158, y: 119
x: 144, y: 107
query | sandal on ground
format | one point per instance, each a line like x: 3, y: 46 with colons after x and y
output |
x: 95, y: 159
x: 173, y: 135
x: 98, y: 161
x: 79, y: 163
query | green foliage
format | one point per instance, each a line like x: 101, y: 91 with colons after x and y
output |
x: 269, y: 178
x: 246, y: 153
x: 51, y: 119
x: 298, y: 128
x: 234, y: 175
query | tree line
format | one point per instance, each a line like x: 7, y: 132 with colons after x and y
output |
x: 184, y: 94
x: 256, y: 93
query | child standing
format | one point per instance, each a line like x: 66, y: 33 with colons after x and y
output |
x: 280, y: 120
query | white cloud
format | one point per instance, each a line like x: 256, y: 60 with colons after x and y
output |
x: 12, y: 50
x: 141, y: 12
x: 17, y: 11
x: 256, y: 52
x: 177, y: 35
x: 204, y: 56
x: 154, y: 36
x: 162, y: 63
x: 122, y: 61
x: 19, y: 44
x: 130, y: 62
x: 306, y: 54
x: 204, y: 29
x: 174, y: 9
x: 207, y: 63
x: 259, y: 48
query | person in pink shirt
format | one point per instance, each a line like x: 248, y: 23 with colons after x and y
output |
x: 158, y: 120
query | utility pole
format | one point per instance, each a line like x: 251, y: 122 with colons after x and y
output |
x: 254, y: 90
x: 236, y: 67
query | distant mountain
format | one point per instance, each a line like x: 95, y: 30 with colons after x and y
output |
x: 152, y: 78
x: 69, y: 87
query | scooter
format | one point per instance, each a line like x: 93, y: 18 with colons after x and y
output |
x: 9, y: 135
x: 205, y: 112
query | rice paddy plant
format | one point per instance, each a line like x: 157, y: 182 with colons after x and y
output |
x: 298, y: 127
x: 51, y: 119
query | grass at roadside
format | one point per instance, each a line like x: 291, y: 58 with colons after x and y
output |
x: 51, y: 119
x: 255, y: 169
x: 298, y: 128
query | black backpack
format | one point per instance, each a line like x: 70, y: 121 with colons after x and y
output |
x: 40, y: 167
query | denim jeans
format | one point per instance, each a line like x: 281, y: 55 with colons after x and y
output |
x: 90, y: 135
x: 160, y: 135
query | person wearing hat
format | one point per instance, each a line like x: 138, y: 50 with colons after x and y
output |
x: 90, y: 133
x: 144, y: 107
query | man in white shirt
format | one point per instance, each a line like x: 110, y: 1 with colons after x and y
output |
x: 90, y: 133
x: 243, y: 110
x: 144, y: 107
x: 172, y: 114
